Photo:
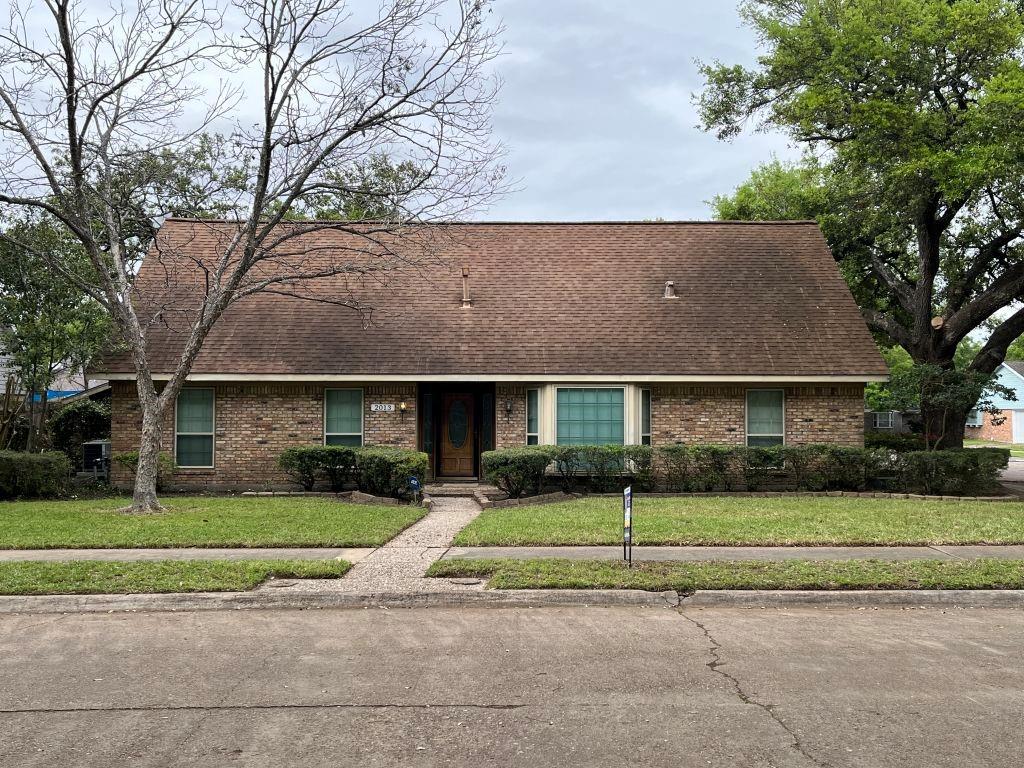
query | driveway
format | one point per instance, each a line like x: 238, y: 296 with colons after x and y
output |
x: 531, y: 687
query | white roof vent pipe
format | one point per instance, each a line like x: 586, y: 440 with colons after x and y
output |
x: 670, y: 290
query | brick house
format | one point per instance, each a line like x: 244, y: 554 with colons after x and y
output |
x: 1010, y: 427
x: 524, y: 333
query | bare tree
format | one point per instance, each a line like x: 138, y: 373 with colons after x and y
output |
x: 106, y: 127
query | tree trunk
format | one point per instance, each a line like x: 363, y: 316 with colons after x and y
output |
x: 144, y: 497
x: 943, y: 428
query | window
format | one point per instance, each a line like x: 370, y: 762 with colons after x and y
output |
x: 645, y: 417
x: 590, y: 416
x: 193, y: 428
x: 343, y: 417
x: 974, y: 418
x: 765, y: 417
x: 532, y: 416
x: 882, y: 419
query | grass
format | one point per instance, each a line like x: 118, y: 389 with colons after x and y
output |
x: 746, y: 521
x: 85, y: 577
x: 690, y: 576
x: 1016, y: 449
x: 296, y: 521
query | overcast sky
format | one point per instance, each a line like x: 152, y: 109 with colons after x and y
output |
x: 597, y: 114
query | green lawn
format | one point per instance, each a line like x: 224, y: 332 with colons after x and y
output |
x: 750, y: 521
x: 296, y: 521
x: 1016, y: 449
x: 687, y: 577
x: 94, y: 577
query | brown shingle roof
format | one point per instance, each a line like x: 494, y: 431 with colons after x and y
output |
x: 548, y: 299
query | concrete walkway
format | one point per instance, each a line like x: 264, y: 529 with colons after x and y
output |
x: 1015, y: 552
x: 352, y: 555
x: 400, y: 565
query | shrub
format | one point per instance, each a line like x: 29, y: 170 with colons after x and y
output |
x: 604, y: 465
x: 958, y: 472
x: 759, y: 464
x: 33, y: 475
x: 517, y: 470
x: 567, y: 461
x: 894, y: 441
x: 165, y: 465
x: 672, y: 466
x: 385, y: 471
x: 807, y: 466
x: 337, y: 464
x: 710, y: 467
x: 76, y: 423
x: 301, y: 464
x: 640, y: 463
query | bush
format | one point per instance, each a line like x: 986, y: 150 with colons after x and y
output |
x: 807, y: 466
x: 384, y: 471
x: 760, y: 464
x: 165, y: 465
x: 33, y: 475
x: 567, y: 461
x: 76, y: 423
x: 956, y: 472
x: 672, y: 467
x: 711, y: 467
x: 901, y: 443
x: 604, y: 465
x: 640, y: 464
x: 338, y: 465
x: 302, y: 464
x: 517, y: 470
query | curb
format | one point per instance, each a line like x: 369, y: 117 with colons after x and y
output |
x: 277, y: 600
x: 512, y: 598
x: 882, y: 598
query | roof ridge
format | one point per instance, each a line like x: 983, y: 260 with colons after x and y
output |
x: 594, y: 222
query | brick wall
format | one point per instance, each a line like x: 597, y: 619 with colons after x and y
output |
x: 510, y: 430
x: 996, y: 433
x: 254, y: 423
x: 717, y: 414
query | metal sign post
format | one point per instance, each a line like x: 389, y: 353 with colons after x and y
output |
x: 627, y: 525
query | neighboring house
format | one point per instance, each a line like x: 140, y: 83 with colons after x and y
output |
x: 655, y: 333
x: 895, y: 422
x: 980, y: 424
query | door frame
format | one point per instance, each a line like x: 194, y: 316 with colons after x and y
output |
x: 429, y: 413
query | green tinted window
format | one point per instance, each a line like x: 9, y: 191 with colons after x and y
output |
x: 343, y: 422
x: 193, y: 440
x: 590, y: 416
x: 532, y: 418
x: 765, y: 420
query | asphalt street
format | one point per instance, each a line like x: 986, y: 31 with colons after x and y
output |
x: 573, y: 686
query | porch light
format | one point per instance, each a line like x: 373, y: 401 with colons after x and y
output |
x: 401, y: 410
x: 508, y: 410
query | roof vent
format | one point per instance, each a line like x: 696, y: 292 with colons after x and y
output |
x: 670, y: 290
x: 466, y: 301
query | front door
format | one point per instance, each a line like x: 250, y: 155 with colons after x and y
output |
x: 457, y: 447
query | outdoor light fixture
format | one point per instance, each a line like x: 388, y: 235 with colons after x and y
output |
x: 508, y: 410
x: 401, y: 410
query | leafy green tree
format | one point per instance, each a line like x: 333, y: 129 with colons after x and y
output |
x: 46, y: 323
x: 914, y: 110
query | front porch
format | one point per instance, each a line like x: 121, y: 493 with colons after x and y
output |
x: 457, y: 423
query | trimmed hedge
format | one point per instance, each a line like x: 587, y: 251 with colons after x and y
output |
x: 702, y: 468
x: 517, y: 470
x: 381, y: 471
x: 894, y: 441
x: 33, y: 475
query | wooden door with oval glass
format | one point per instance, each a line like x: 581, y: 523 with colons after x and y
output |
x: 457, y: 432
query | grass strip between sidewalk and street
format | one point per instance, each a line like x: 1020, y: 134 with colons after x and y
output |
x: 90, y: 577
x: 750, y: 521
x: 202, y: 521
x: 547, y: 573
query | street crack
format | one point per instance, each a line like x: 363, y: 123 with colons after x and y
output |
x: 715, y: 665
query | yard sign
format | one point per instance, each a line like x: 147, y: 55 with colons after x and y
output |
x: 627, y: 524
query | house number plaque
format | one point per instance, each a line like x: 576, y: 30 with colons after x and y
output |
x: 382, y: 407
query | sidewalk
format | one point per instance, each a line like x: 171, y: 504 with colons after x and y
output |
x: 352, y: 555
x: 938, y: 552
